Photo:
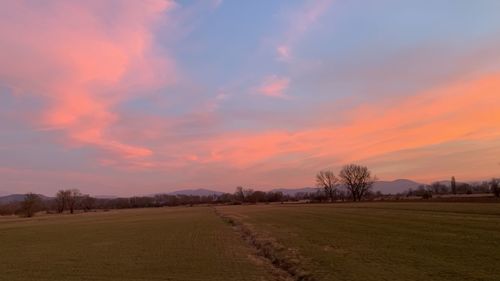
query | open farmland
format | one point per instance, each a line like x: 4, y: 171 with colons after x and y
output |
x: 380, y: 241
x: 145, y: 244
x: 364, y: 241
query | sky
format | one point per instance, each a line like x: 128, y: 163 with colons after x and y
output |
x: 133, y: 97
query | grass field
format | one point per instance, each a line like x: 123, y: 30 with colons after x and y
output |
x: 148, y: 244
x: 365, y: 241
x: 384, y: 241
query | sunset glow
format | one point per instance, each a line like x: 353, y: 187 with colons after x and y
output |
x: 139, y: 97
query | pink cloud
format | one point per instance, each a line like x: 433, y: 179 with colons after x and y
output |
x: 396, y: 138
x: 84, y: 60
x: 308, y: 15
x: 274, y: 86
x: 283, y: 53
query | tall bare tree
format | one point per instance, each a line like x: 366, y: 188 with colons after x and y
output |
x: 328, y: 182
x: 453, y: 185
x: 357, y: 179
x: 30, y: 204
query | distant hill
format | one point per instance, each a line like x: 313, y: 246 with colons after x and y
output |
x: 17, y: 198
x: 11, y: 198
x: 293, y: 191
x: 196, y: 192
x: 105, y: 196
x: 396, y: 186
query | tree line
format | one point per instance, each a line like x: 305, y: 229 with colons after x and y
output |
x: 72, y: 200
x: 353, y: 183
x: 454, y: 188
x: 357, y: 179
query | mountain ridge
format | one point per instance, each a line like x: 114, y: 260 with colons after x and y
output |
x: 195, y: 192
x: 12, y: 198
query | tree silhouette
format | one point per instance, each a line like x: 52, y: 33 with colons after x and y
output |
x: 495, y: 187
x: 453, y: 185
x: 30, y: 204
x: 357, y: 179
x: 328, y: 182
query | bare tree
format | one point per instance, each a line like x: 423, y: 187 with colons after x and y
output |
x: 61, y: 200
x: 248, y: 193
x: 257, y: 196
x: 438, y: 188
x: 495, y: 187
x: 453, y: 185
x: 73, y: 197
x: 357, y: 179
x: 328, y: 182
x: 239, y: 194
x: 87, y: 203
x: 30, y: 204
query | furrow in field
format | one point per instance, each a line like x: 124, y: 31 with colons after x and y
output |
x: 285, y: 261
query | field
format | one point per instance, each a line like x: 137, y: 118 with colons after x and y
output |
x: 383, y: 241
x: 365, y: 241
x: 146, y: 244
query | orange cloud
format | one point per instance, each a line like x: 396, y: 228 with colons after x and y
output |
x: 464, y: 111
x: 84, y: 60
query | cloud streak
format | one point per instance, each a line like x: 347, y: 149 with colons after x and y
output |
x: 300, y: 22
x: 462, y: 111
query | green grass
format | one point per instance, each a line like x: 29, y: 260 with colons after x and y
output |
x: 148, y: 244
x: 384, y: 241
